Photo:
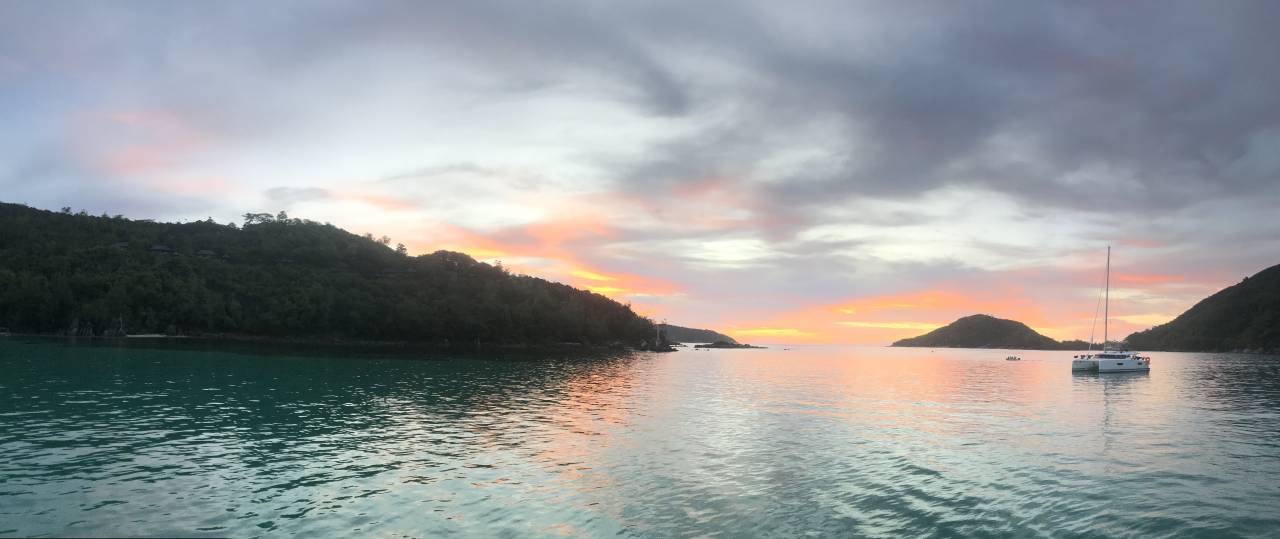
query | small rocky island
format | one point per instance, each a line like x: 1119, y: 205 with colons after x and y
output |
x: 678, y: 334
x: 726, y: 344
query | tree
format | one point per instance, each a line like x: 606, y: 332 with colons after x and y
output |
x: 257, y: 218
x: 61, y: 273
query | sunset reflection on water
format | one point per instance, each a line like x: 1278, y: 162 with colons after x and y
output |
x: 820, y: 440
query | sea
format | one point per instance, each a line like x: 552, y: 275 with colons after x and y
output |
x: 185, y: 438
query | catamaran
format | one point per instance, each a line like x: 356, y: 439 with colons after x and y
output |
x: 1109, y: 360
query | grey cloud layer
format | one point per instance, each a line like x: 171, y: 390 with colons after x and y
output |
x: 1167, y: 101
x: 1153, y: 105
x: 802, y: 107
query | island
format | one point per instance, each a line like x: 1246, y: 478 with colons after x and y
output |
x: 677, y: 334
x: 986, y: 331
x: 726, y: 344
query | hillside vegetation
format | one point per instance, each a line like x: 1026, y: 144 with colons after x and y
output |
x: 1242, y: 317
x: 683, y: 334
x: 275, y: 276
x: 983, y: 331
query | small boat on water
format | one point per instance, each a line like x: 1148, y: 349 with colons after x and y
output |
x: 1013, y: 358
x: 1109, y: 360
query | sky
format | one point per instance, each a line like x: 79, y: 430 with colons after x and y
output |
x: 805, y: 172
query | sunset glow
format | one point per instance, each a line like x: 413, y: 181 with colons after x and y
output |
x: 747, y: 180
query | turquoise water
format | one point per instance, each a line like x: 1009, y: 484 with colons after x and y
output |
x: 103, y: 440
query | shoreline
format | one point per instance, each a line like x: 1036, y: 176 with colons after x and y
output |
x: 1239, y: 351
x: 335, y: 343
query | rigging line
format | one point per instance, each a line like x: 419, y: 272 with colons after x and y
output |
x: 1097, y: 308
x: 1106, y: 305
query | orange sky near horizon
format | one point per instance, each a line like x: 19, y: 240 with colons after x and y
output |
x: 545, y: 250
x: 554, y: 243
x: 837, y: 175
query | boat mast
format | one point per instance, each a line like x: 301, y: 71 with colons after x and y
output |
x: 1106, y: 309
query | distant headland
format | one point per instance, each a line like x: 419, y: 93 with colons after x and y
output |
x: 1244, y: 317
x: 723, y: 344
x: 691, y: 335
x: 278, y: 277
x: 985, y: 331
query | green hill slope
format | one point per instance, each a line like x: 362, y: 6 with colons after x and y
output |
x: 983, y: 331
x: 1243, y: 317
x: 682, y: 334
x: 275, y: 277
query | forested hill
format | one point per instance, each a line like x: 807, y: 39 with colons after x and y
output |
x: 1242, y: 317
x: 682, y: 334
x: 274, y: 276
x: 983, y: 331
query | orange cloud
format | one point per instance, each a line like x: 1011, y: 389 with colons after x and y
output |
x: 439, y: 235
x: 886, y: 318
x: 548, y: 249
x: 591, y: 275
x: 133, y: 160
x: 790, y: 333
x: 606, y: 290
x: 921, y: 326
x: 147, y: 147
x: 622, y: 286
x: 930, y: 299
x: 1144, y: 279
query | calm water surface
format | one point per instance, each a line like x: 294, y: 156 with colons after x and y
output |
x: 103, y: 440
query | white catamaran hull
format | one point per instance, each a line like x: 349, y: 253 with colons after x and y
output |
x: 1123, y: 365
x: 1118, y: 363
x: 1084, y: 364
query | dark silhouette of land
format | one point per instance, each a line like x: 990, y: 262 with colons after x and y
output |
x: 682, y: 335
x: 985, y: 331
x: 724, y: 344
x: 277, y: 277
x: 1244, y: 317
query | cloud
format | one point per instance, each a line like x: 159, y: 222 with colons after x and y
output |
x: 730, y: 163
x: 289, y: 196
x: 1046, y: 102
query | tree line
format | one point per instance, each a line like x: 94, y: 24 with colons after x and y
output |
x: 276, y: 276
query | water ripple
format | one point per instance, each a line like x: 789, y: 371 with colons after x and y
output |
x: 868, y: 442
